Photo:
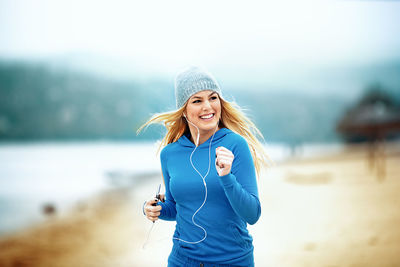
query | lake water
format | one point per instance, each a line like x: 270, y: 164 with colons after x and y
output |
x: 62, y: 173
x: 32, y: 174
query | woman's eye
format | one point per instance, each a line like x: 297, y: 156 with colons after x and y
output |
x: 214, y: 98
x: 196, y: 101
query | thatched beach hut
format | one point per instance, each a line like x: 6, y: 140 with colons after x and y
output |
x: 374, y: 119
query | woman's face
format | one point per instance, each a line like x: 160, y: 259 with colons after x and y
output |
x: 204, y: 110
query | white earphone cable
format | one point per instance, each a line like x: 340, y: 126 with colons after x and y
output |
x: 204, y: 182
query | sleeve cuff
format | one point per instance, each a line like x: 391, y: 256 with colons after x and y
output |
x: 227, y: 180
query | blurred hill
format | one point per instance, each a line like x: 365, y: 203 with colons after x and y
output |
x: 39, y: 102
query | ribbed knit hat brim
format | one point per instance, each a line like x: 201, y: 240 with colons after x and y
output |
x: 193, y: 80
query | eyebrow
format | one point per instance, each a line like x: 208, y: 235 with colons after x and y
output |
x: 201, y: 97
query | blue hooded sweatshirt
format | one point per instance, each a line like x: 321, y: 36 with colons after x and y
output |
x: 232, y: 200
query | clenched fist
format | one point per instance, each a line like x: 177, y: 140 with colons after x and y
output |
x: 223, y: 161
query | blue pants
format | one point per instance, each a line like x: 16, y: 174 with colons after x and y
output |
x: 175, y: 259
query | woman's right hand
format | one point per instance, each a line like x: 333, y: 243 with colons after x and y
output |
x: 152, y: 212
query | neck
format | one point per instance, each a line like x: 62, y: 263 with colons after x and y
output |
x: 204, y: 135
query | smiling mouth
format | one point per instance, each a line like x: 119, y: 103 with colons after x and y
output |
x: 208, y: 116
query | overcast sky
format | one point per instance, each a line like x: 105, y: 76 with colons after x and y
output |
x: 255, y: 38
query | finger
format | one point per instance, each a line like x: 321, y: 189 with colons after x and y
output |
x: 224, y: 153
x: 219, y: 149
x: 154, y: 214
x: 220, y: 165
x: 157, y: 208
x: 152, y: 209
x: 218, y: 161
x: 222, y: 149
x: 224, y: 161
x: 223, y: 164
x: 226, y: 157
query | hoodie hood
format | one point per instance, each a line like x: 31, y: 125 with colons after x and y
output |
x: 185, y: 139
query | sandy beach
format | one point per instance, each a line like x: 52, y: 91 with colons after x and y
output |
x: 326, y: 211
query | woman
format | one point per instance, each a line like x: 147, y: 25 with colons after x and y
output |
x: 209, y: 164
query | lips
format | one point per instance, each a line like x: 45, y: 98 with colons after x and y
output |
x: 207, y: 116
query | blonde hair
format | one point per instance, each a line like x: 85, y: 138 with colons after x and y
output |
x: 232, y: 118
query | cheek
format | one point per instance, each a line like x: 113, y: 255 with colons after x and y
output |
x: 217, y: 108
x: 192, y: 112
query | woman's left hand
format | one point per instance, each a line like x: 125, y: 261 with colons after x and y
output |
x: 223, y: 161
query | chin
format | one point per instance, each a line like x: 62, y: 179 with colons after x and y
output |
x: 209, y: 126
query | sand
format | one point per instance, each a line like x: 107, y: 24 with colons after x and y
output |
x: 326, y: 211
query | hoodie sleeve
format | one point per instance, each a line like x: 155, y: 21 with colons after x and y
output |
x: 168, y: 208
x: 240, y: 185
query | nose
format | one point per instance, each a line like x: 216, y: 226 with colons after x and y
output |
x: 206, y: 105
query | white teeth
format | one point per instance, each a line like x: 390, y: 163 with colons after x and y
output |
x: 207, y: 117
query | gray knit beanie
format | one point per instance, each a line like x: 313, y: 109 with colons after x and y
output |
x: 193, y: 80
